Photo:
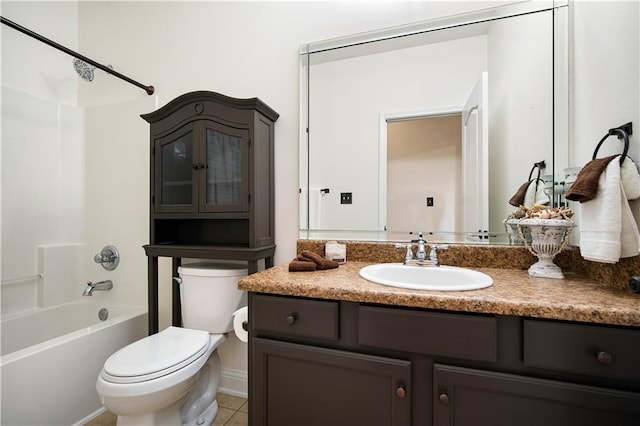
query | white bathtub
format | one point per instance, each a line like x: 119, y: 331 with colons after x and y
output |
x: 51, y: 359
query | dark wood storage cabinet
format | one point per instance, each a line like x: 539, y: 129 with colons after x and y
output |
x: 212, y: 182
x: 325, y: 362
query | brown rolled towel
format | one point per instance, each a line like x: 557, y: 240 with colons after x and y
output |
x: 320, y: 261
x: 518, y: 198
x: 585, y: 187
x: 301, y: 266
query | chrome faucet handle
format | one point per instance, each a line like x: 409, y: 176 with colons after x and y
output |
x: 409, y: 254
x: 433, y: 253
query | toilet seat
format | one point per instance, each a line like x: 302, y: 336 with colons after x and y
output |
x: 157, y: 355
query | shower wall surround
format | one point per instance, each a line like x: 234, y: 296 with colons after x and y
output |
x: 42, y: 188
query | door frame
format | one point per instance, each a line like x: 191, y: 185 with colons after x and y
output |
x: 385, y: 118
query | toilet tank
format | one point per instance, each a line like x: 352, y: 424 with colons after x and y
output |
x: 209, y: 295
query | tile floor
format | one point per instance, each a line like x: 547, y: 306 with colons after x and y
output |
x: 233, y: 411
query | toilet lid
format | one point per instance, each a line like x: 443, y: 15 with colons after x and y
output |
x: 156, y: 355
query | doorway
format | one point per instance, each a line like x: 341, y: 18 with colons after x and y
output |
x: 423, y: 164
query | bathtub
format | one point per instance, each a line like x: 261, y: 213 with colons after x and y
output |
x: 51, y: 359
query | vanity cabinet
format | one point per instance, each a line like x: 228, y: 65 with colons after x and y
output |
x: 310, y: 385
x: 334, y: 362
x: 211, y: 185
x: 470, y: 397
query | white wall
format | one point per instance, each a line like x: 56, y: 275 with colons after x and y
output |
x: 32, y: 67
x: 605, y: 90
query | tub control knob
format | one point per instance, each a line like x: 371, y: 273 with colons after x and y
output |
x: 108, y: 258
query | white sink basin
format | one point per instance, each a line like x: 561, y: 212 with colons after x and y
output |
x: 443, y: 278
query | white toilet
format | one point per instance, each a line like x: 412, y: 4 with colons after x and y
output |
x: 171, y: 378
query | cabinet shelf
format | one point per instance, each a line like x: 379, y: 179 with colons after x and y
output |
x: 204, y: 251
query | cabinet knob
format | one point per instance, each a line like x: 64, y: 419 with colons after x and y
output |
x: 291, y: 319
x: 604, y: 358
x: 444, y: 398
x: 401, y: 392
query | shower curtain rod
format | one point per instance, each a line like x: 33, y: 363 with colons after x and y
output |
x: 148, y: 89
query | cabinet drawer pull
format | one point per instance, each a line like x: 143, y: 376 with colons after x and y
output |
x: 291, y: 319
x: 401, y: 392
x: 604, y: 358
x: 444, y: 398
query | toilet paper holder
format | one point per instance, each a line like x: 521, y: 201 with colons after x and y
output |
x: 241, y: 324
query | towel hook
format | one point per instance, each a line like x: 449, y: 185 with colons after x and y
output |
x: 622, y: 132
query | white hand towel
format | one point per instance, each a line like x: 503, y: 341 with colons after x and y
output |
x: 602, y: 235
x: 535, y: 194
x: 629, y: 190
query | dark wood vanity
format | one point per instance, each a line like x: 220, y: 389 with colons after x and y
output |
x: 327, y: 361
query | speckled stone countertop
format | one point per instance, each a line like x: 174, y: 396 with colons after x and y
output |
x: 514, y: 292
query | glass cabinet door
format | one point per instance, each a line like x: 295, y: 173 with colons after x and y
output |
x: 224, y: 181
x: 175, y: 189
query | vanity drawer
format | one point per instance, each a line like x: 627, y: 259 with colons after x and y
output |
x: 295, y: 317
x: 583, y: 349
x: 462, y: 336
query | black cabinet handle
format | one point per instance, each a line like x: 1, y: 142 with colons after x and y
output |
x: 444, y: 398
x: 401, y: 392
x: 291, y: 319
x: 604, y: 358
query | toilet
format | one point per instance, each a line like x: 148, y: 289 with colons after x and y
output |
x: 171, y: 378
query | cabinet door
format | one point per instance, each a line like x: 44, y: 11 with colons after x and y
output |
x: 175, y: 183
x: 470, y: 397
x: 294, y: 385
x: 224, y: 178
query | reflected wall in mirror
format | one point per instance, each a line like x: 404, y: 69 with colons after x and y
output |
x: 399, y: 125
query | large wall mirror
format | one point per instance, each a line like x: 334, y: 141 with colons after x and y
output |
x: 433, y: 126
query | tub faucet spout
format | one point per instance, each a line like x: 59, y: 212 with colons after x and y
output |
x: 101, y: 285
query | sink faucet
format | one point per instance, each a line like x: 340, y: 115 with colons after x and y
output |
x: 420, y: 258
x: 101, y: 285
x: 421, y: 254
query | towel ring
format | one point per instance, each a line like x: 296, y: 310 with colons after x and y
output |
x: 540, y: 165
x: 622, y: 132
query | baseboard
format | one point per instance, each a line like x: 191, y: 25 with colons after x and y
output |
x: 91, y: 416
x: 234, y: 382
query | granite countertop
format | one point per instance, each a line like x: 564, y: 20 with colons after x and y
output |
x: 514, y: 293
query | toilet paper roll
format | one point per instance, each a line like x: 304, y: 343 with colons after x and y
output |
x: 240, y: 321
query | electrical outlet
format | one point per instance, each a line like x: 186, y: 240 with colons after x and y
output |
x: 345, y: 198
x: 429, y: 201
